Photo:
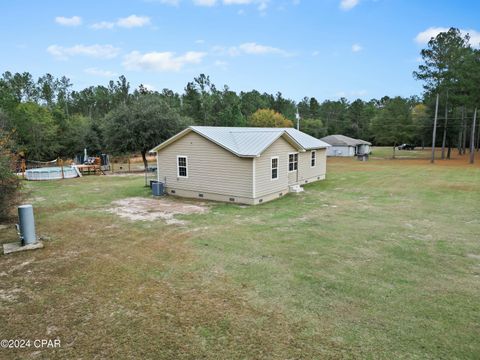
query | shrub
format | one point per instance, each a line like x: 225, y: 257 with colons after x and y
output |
x: 8, y: 180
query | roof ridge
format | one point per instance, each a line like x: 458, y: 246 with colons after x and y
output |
x: 250, y: 131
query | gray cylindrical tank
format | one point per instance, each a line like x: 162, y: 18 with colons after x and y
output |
x: 27, y: 224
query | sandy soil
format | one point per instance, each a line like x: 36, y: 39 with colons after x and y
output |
x: 144, y: 209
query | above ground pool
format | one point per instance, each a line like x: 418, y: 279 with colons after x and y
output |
x: 51, y: 173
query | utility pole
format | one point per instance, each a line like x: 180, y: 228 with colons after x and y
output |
x: 460, y: 136
x: 472, y: 138
x: 445, y: 128
x: 434, y: 131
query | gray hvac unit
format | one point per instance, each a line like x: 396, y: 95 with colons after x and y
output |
x: 157, y: 188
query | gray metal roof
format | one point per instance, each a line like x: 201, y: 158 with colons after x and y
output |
x: 249, y: 141
x: 342, y: 140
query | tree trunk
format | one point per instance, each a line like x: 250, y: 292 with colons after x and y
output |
x: 434, y: 135
x: 444, y: 140
x: 472, y: 139
x: 394, y: 146
x: 478, y: 138
x: 460, y: 137
x: 464, y: 122
x: 144, y: 158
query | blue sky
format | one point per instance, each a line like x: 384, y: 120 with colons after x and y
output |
x: 322, y: 48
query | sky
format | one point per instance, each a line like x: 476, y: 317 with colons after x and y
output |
x: 325, y: 49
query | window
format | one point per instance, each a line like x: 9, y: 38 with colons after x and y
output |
x: 313, y: 160
x: 274, y: 168
x: 293, y: 162
x: 182, y: 166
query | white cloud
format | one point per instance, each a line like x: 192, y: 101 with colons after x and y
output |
x: 257, y: 49
x: 126, y: 22
x: 99, y: 72
x: 161, y: 61
x: 133, y: 21
x: 205, y: 2
x: 348, y: 4
x: 170, y: 2
x: 69, y: 21
x: 261, y: 4
x: 95, y: 51
x: 103, y: 25
x: 250, y: 48
x: 357, y: 48
x: 424, y: 37
x: 237, y: 2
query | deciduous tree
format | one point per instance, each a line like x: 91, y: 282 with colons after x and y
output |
x: 269, y: 118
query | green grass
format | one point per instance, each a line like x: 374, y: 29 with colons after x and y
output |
x: 381, y: 260
x: 386, y: 152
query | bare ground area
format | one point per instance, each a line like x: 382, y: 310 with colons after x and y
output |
x: 144, y: 209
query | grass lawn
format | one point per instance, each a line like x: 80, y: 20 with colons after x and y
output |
x: 381, y: 260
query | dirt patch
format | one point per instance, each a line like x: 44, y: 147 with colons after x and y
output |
x: 144, y: 209
x: 9, y: 296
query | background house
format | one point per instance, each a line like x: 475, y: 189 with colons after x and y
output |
x: 342, y: 145
x: 245, y: 165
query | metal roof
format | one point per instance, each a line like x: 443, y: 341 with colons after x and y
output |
x: 342, y: 140
x: 249, y: 141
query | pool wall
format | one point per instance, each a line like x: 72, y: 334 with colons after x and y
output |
x: 51, y: 173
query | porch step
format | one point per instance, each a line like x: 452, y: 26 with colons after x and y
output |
x: 295, y: 188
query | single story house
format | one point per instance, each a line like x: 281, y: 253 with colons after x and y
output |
x: 239, y: 164
x: 342, y: 145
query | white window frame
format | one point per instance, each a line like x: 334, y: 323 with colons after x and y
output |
x: 288, y: 168
x: 313, y: 156
x: 186, y: 166
x: 271, y: 167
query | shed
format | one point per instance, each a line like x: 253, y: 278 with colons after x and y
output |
x: 342, y: 145
x: 239, y: 164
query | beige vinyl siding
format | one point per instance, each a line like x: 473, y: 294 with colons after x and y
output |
x: 292, y: 175
x: 305, y: 171
x: 263, y: 168
x: 322, y: 161
x: 211, y: 168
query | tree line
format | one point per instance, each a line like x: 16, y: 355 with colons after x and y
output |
x: 46, y: 118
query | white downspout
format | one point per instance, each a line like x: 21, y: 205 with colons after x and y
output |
x: 158, y: 168
x: 253, y: 179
